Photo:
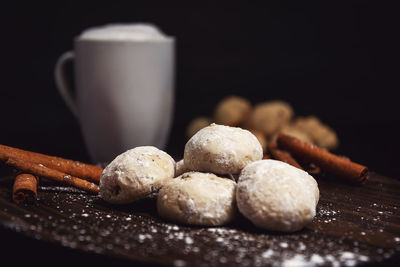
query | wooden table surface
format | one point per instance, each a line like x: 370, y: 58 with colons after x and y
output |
x: 355, y: 225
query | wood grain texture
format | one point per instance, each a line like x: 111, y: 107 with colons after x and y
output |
x: 355, y: 225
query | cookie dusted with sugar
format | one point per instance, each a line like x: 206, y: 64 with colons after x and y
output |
x: 221, y: 149
x: 277, y: 196
x: 136, y: 173
x: 196, y: 198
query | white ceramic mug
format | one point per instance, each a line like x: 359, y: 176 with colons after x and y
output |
x: 124, y: 93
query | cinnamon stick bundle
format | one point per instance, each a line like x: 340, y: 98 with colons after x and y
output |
x: 74, y: 168
x: 342, y: 167
x: 52, y: 174
x: 24, y: 188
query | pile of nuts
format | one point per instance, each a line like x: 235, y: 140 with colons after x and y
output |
x: 265, y: 120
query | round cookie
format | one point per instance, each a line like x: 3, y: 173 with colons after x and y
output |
x: 232, y: 110
x: 135, y: 173
x: 277, y: 196
x: 221, y: 149
x: 198, y: 199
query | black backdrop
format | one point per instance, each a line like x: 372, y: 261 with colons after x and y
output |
x: 336, y: 62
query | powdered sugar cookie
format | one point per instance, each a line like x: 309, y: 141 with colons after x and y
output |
x: 135, y: 174
x: 277, y: 196
x: 198, y: 199
x: 221, y: 149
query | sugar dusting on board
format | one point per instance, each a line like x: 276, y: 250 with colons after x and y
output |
x: 229, y: 245
x: 85, y: 222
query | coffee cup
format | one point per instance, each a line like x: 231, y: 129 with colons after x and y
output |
x: 124, y: 92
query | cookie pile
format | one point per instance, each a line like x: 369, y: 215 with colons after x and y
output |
x: 221, y: 176
x: 265, y: 120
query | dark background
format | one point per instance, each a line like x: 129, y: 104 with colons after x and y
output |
x: 335, y: 62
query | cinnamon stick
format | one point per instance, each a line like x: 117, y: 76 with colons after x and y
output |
x: 265, y: 156
x: 24, y: 188
x: 282, y: 155
x: 345, y: 168
x: 51, y: 174
x: 74, y: 168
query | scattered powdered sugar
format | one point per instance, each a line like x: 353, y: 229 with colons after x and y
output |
x: 296, y: 261
x: 283, y: 245
x: 179, y: 263
x: 85, y: 222
x: 189, y: 240
x: 219, y: 239
x: 57, y: 189
x: 268, y: 253
x: 345, y: 258
x: 301, y: 246
x: 143, y: 237
x: 317, y: 259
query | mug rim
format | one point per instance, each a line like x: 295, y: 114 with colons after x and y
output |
x: 77, y: 39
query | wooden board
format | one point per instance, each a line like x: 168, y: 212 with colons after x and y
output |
x: 354, y: 225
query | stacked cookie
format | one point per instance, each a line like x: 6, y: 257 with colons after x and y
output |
x: 221, y: 175
x: 265, y: 120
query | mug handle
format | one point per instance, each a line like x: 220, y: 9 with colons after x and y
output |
x: 61, y: 83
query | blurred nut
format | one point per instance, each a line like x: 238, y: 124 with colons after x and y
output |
x: 321, y: 135
x: 270, y: 117
x: 232, y: 110
x: 296, y: 132
x: 325, y: 137
x: 197, y: 124
x: 307, y: 124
